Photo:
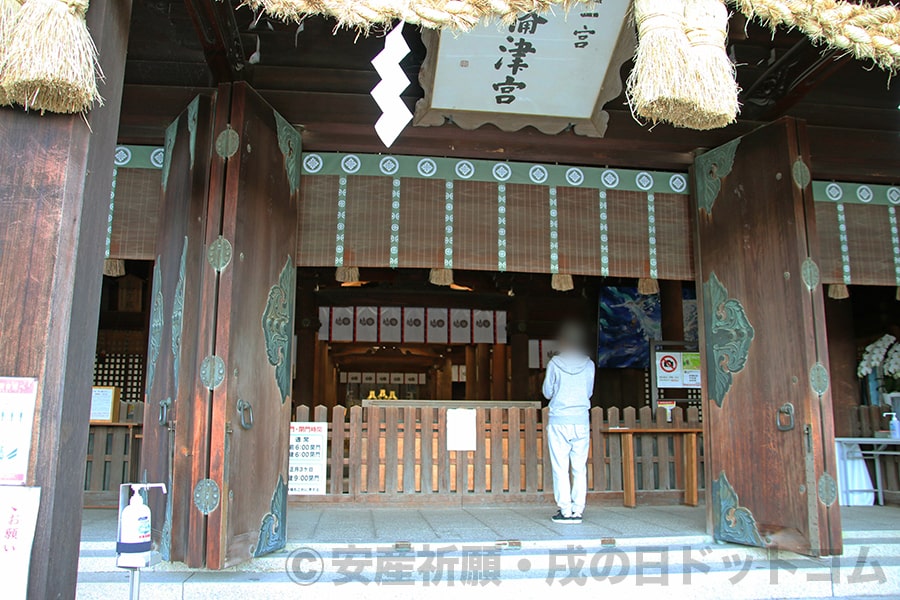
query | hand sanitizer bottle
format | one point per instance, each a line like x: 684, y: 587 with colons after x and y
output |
x: 895, y: 426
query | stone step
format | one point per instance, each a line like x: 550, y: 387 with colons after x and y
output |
x: 678, y: 567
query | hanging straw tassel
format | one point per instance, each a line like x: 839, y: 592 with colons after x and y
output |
x: 441, y: 276
x: 562, y: 282
x: 657, y: 86
x: 838, y: 291
x: 712, y: 84
x: 9, y: 10
x: 347, y: 274
x: 647, y: 286
x: 114, y: 267
x: 51, y: 61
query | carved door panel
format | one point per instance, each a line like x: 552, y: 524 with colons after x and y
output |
x: 767, y: 406
x: 256, y: 175
x: 170, y: 406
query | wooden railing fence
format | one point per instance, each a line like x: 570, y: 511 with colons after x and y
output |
x: 398, y: 454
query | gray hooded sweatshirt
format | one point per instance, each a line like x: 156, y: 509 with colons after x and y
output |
x: 568, y: 385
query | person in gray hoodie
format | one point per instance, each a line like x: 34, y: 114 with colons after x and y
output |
x: 569, y: 384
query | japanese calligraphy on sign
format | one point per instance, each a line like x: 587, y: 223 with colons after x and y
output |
x: 17, y: 399
x: 547, y: 70
x: 18, y: 517
x: 308, y: 459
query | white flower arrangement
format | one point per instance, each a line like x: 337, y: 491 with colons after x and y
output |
x: 892, y: 362
x: 874, y: 356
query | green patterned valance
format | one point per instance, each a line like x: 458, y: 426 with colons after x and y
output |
x: 856, y: 193
x: 454, y: 169
x: 139, y: 157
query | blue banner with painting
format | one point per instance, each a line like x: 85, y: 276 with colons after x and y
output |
x: 627, y: 321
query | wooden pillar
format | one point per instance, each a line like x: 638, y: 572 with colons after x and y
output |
x: 329, y: 378
x: 444, y: 381
x: 471, y: 373
x: 54, y: 183
x: 671, y: 305
x: 845, y: 396
x: 307, y: 326
x: 518, y: 347
x: 498, y: 372
x: 483, y: 364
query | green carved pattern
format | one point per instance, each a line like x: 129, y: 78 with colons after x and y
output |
x: 156, y: 325
x: 278, y: 326
x: 171, y: 133
x: 178, y: 316
x: 731, y: 521
x: 192, y: 111
x: 728, y: 337
x: 289, y: 142
x: 273, y: 529
x: 709, y: 170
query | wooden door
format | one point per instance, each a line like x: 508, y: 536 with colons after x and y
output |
x: 171, y: 407
x: 255, y: 176
x: 767, y: 404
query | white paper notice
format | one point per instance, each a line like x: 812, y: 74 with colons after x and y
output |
x: 17, y: 398
x: 102, y: 403
x: 308, y: 459
x: 461, y: 429
x: 18, y: 514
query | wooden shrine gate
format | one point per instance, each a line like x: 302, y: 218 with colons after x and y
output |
x: 767, y: 403
x: 221, y: 330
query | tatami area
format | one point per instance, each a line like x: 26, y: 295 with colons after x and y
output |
x: 647, y: 550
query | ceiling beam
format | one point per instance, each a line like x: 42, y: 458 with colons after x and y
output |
x: 789, y: 79
x: 345, y: 122
x: 218, y: 32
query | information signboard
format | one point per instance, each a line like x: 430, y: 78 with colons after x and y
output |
x: 308, y: 459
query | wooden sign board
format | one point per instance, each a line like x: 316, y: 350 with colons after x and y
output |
x: 548, y: 70
x: 104, y: 404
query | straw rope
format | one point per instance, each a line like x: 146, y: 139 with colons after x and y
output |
x: 50, y: 62
x: 657, y: 85
x: 433, y: 14
x: 867, y: 32
x: 9, y: 9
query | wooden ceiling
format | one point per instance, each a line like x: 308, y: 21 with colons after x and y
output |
x: 320, y: 79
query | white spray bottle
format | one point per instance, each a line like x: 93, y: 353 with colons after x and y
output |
x: 895, y: 426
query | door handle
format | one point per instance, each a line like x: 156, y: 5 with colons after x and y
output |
x: 787, y: 409
x: 164, y: 410
x: 245, y: 410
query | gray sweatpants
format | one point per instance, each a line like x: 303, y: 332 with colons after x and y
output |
x: 569, y: 449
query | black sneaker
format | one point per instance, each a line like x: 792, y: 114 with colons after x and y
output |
x: 561, y: 518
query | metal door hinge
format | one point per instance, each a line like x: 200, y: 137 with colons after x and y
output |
x: 212, y: 372
x: 206, y: 496
x: 228, y: 142
x: 219, y: 254
x: 800, y: 173
x: 818, y: 378
x: 809, y: 271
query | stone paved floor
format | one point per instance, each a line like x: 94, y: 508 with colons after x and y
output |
x: 349, y: 524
